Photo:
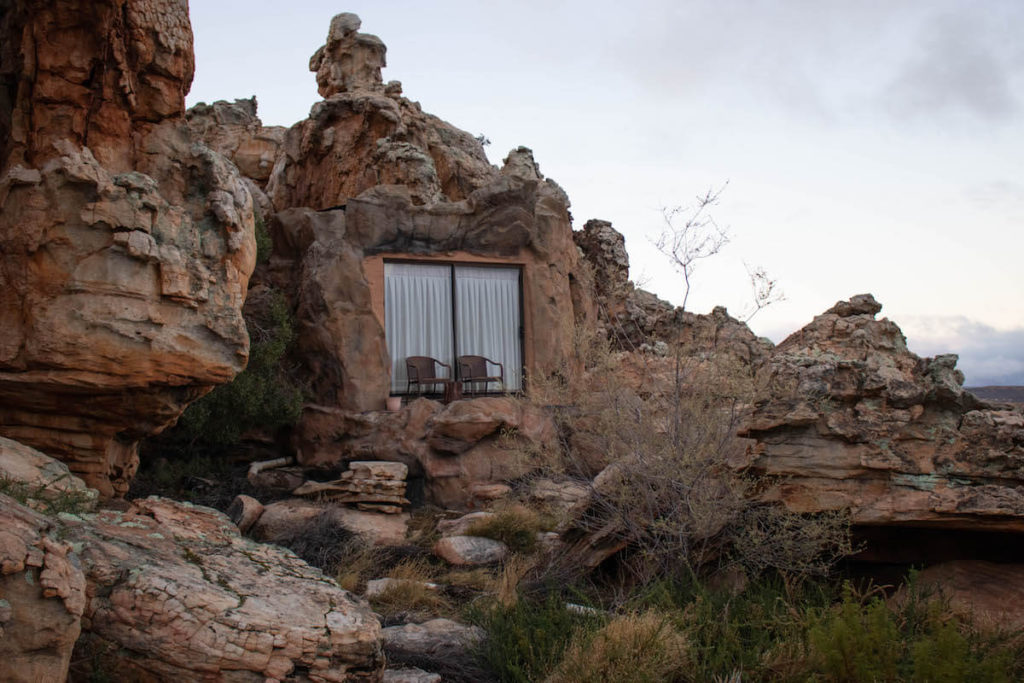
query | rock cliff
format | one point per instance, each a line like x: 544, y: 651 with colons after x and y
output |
x: 849, y: 418
x: 127, y: 244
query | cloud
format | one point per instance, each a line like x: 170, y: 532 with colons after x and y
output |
x: 960, y: 66
x: 988, y: 356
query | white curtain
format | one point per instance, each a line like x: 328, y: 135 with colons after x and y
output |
x: 417, y: 316
x: 487, y: 319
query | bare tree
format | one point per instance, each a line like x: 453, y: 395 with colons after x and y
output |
x: 691, y: 235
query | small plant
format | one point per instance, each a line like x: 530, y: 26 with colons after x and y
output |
x: 322, y: 542
x: 525, y: 642
x: 47, y: 498
x: 640, y: 647
x: 517, y: 527
x: 410, y: 592
x: 264, y: 244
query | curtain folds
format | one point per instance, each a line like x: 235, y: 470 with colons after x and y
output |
x: 487, y: 318
x: 417, y: 316
x: 419, y: 308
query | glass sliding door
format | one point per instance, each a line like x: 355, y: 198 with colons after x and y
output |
x: 487, y: 318
x: 417, y: 316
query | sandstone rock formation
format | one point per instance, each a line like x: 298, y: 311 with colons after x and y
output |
x: 851, y: 419
x: 184, y: 596
x: 42, y: 597
x: 126, y: 244
x: 171, y: 588
x: 373, y: 486
x: 451, y: 449
x: 635, y: 319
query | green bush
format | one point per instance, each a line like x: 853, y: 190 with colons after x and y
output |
x: 526, y: 641
x: 516, y: 527
x: 262, y: 396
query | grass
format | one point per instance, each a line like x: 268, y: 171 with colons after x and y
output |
x: 47, y: 499
x: 515, y: 526
x: 773, y: 630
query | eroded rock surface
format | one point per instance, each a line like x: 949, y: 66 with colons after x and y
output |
x: 42, y: 597
x: 184, y: 596
x: 126, y: 244
x: 850, y: 418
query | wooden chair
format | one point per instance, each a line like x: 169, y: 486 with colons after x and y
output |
x: 423, y: 371
x: 473, y: 370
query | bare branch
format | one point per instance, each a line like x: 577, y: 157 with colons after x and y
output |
x: 691, y: 235
x: 765, y: 289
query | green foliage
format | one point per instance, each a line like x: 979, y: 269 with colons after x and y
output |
x: 857, y: 642
x: 525, y: 641
x: 49, y: 501
x: 262, y: 396
x: 264, y: 245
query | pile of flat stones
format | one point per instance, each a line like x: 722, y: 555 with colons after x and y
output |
x: 370, y: 485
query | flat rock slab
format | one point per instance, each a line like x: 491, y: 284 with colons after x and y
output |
x: 470, y: 550
x: 411, y: 675
x: 183, y: 595
x: 437, y: 638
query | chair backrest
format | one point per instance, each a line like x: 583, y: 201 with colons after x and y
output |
x: 472, y: 366
x: 422, y: 368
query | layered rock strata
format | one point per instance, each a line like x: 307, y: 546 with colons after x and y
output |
x: 372, y: 486
x: 126, y: 243
x: 163, y: 591
x: 851, y: 419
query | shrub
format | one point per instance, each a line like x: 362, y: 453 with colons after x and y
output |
x: 263, y: 396
x: 525, y: 642
x: 323, y: 543
x: 517, y: 527
x: 634, y: 648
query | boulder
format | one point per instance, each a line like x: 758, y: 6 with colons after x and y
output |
x: 409, y: 675
x: 42, y: 596
x: 470, y: 550
x: 988, y: 594
x: 851, y: 419
x: 116, y: 311
x: 460, y: 526
x: 286, y: 519
x: 181, y: 595
x: 434, y: 639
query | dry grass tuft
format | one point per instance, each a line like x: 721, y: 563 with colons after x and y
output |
x: 636, y: 648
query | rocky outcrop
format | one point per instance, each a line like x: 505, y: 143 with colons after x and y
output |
x: 365, y: 134
x: 42, y: 597
x: 850, y: 419
x: 126, y: 244
x: 452, y: 449
x: 183, y: 596
x: 171, y: 589
x: 636, y: 320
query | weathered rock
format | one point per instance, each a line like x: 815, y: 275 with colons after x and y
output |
x: 856, y: 421
x: 460, y: 526
x: 286, y: 519
x: 42, y: 597
x: 377, y: 587
x: 470, y: 550
x: 115, y: 313
x: 43, y: 479
x: 409, y: 675
x: 436, y: 639
x: 184, y: 596
x: 990, y: 595
x: 244, y: 512
x: 366, y: 483
x: 233, y: 130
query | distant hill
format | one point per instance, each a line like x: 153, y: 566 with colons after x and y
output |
x: 1015, y: 394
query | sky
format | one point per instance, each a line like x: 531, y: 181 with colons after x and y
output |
x: 871, y: 146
